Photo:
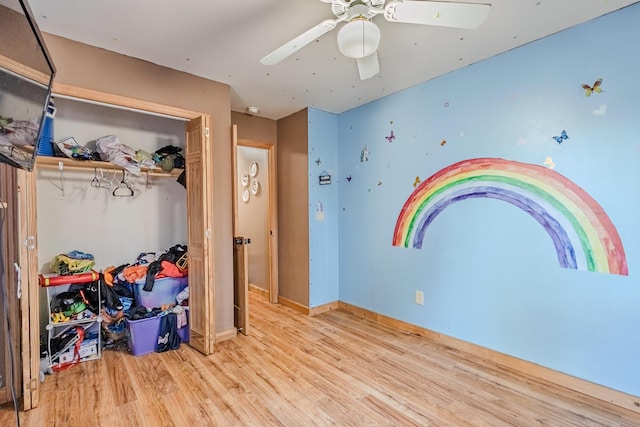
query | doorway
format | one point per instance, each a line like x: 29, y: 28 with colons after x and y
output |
x: 255, y: 220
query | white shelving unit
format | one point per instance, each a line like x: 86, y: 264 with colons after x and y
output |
x: 60, y: 325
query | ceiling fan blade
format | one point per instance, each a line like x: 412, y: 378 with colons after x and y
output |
x: 299, y: 42
x: 368, y: 66
x: 443, y: 14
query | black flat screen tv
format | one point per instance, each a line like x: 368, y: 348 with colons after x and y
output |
x: 26, y: 77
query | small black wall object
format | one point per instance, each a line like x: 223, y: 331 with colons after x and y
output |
x: 324, y: 178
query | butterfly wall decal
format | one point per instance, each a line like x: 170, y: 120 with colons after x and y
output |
x: 562, y: 137
x: 588, y: 90
x: 391, y: 137
x: 443, y: 143
x: 548, y: 162
x: 349, y: 178
x: 318, y: 161
x: 416, y: 182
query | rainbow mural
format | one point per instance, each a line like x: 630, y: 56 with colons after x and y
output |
x: 583, y: 235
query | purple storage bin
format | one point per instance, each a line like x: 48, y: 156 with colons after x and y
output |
x: 164, y: 291
x: 184, y: 331
x: 143, y: 335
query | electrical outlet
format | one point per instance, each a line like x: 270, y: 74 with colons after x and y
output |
x: 419, y: 297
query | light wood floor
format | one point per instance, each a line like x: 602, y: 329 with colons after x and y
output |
x: 293, y: 370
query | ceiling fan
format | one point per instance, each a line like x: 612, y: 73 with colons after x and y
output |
x: 359, y: 37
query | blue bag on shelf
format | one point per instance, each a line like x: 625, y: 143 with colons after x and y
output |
x: 45, y: 144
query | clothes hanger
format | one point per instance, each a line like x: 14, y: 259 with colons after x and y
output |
x: 123, y: 189
x: 61, y: 186
x: 127, y: 180
x: 147, y: 183
x: 95, y: 182
x: 105, y: 182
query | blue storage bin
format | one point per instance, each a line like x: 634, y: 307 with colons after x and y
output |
x: 164, y: 291
x: 45, y: 144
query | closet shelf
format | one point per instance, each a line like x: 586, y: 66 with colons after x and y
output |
x: 47, y: 162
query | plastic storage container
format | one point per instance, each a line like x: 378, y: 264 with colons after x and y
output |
x: 184, y: 331
x: 143, y: 335
x: 45, y: 144
x: 164, y: 291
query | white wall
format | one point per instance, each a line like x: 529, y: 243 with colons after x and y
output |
x: 253, y: 213
x: 115, y: 230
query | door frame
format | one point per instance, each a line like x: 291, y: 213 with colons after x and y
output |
x: 272, y: 210
x: 30, y: 327
x: 201, y: 319
x: 17, y: 193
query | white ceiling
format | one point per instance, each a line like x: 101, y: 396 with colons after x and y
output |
x: 225, y: 40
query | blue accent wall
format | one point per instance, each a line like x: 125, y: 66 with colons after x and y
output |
x: 323, y: 208
x: 488, y: 271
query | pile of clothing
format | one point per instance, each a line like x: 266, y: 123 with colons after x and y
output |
x: 18, y: 132
x: 110, y: 148
x: 119, y: 288
x: 151, y: 265
x: 74, y: 262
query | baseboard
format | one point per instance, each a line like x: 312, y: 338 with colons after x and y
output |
x: 615, y: 397
x: 294, y: 305
x: 306, y: 310
x: 227, y: 334
x: 259, y: 291
x: 323, y: 308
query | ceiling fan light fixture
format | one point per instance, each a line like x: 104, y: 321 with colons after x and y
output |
x: 358, y: 38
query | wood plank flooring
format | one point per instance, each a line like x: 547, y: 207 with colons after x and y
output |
x: 294, y: 370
